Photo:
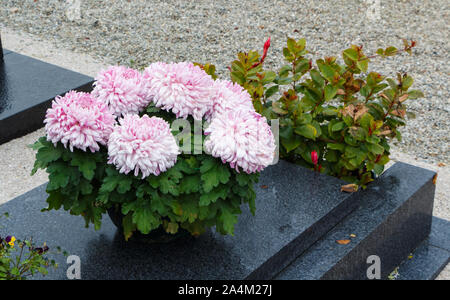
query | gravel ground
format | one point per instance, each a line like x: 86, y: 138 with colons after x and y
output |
x: 140, y: 32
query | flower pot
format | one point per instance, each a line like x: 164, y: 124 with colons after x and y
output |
x: 156, y: 236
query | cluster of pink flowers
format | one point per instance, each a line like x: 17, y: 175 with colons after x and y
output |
x: 123, y: 89
x: 242, y: 138
x: 237, y: 134
x: 142, y: 144
x: 79, y: 121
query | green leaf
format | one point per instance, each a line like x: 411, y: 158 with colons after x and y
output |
x: 227, y: 219
x: 85, y: 164
x: 269, y: 76
x: 338, y: 126
x: 415, y: 94
x: 124, y: 184
x: 284, y: 80
x: 190, y: 184
x: 291, y: 143
x: 335, y: 146
x: 378, y: 169
x: 245, y: 179
x: 168, y: 181
x: 85, y: 187
x: 352, y: 54
x: 271, y: 91
x: 54, y: 200
x: 40, y: 143
x: 292, y: 44
x: 375, y: 148
x: 284, y: 71
x: 363, y: 64
x: 109, y: 184
x: 327, y: 72
x: 128, y: 226
x: 316, y: 77
x: 330, y: 92
x: 219, y: 192
x: 390, y: 51
x: 187, y: 209
x: 407, y: 83
x: 61, y: 175
x: 308, y: 131
x: 142, y: 216
x: 302, y: 68
x: 215, y: 174
x: 207, y: 164
x: 238, y: 77
x: 48, y: 153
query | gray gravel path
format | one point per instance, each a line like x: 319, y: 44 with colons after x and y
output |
x: 146, y: 31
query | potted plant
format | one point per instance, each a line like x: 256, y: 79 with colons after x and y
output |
x: 335, y: 117
x: 134, y: 148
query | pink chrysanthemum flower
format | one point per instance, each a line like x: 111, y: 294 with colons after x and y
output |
x: 242, y: 138
x: 227, y: 95
x: 123, y: 89
x: 144, y: 145
x: 182, y: 88
x: 79, y: 120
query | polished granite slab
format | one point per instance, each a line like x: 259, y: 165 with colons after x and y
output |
x: 431, y: 257
x: 295, y: 207
x: 27, y: 87
x: 392, y: 220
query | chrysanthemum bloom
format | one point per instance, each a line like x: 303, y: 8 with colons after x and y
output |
x: 79, y: 120
x: 182, y: 88
x: 242, y: 138
x: 123, y: 89
x: 144, y: 145
x: 227, y: 95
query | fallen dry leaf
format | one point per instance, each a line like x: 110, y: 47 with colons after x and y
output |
x: 349, y: 188
x: 343, y: 242
x: 441, y: 164
x: 352, y: 235
x: 435, y: 179
x: 264, y: 186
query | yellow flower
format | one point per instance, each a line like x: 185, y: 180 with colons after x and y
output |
x: 11, y: 242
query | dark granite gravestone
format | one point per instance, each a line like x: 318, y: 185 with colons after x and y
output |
x: 393, y: 219
x: 1, y: 50
x: 27, y: 87
x: 297, y: 208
